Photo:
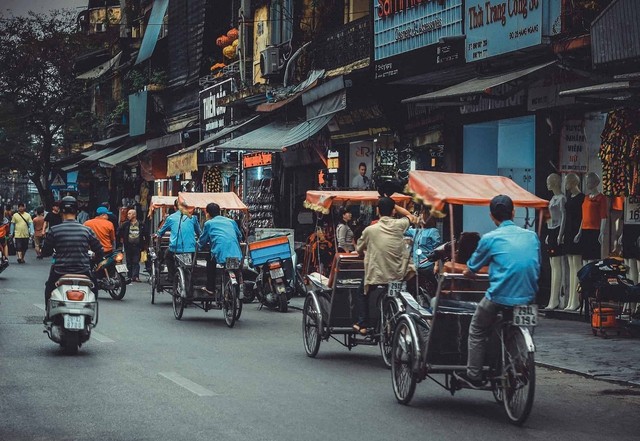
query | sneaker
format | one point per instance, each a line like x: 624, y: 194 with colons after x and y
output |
x: 466, y: 381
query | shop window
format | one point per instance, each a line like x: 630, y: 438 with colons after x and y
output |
x: 281, y: 18
x: 355, y: 9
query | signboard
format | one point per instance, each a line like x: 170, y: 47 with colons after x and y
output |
x: 213, y: 117
x: 632, y: 210
x: 58, y: 179
x: 573, y: 147
x: 333, y: 161
x: 404, y: 31
x: 515, y: 99
x: 499, y: 26
x: 256, y: 159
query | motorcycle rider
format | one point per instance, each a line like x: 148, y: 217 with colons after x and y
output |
x: 224, y: 236
x: 103, y: 228
x: 71, y: 243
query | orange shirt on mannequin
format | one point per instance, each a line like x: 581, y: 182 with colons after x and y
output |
x: 594, y: 209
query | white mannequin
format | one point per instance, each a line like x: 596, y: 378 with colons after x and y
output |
x: 572, y: 186
x: 592, y: 182
x: 555, y: 225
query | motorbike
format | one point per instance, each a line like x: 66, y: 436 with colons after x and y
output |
x: 271, y: 286
x: 72, y: 311
x: 112, y: 275
x: 4, y: 264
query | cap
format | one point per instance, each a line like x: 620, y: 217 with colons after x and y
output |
x: 501, y: 206
x: 102, y: 210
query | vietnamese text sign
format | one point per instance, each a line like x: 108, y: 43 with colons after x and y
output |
x: 632, y: 210
x: 496, y: 27
x: 573, y: 147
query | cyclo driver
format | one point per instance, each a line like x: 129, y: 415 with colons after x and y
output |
x: 224, y: 236
x: 513, y: 256
x: 71, y: 243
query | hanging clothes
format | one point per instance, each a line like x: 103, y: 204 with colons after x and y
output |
x: 212, y: 180
x: 615, y: 152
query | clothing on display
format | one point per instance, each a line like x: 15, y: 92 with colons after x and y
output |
x: 594, y: 209
x: 556, y: 206
x: 620, y: 162
x: 261, y: 203
x: 554, y: 249
x: 573, y: 219
x: 589, y: 245
x: 212, y: 180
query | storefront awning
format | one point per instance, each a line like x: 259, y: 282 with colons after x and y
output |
x: 276, y: 135
x: 124, y: 155
x: 100, y: 70
x: 171, y: 140
x: 99, y: 155
x: 151, y: 34
x: 604, y: 90
x: 287, y: 95
x: 475, y: 86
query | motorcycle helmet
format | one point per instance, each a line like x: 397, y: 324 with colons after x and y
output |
x: 69, y: 205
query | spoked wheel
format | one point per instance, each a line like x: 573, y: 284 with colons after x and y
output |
x: 283, y: 302
x: 179, y: 291
x: 387, y: 325
x: 519, y: 378
x: 71, y: 343
x: 119, y: 292
x: 249, y: 292
x: 230, y: 303
x: 311, y: 327
x: 239, y: 302
x: 403, y: 357
x: 153, y: 280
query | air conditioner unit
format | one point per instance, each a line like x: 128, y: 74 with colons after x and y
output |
x: 270, y: 61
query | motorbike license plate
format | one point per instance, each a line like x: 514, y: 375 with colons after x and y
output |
x: 526, y: 315
x: 121, y: 268
x: 73, y: 321
x: 276, y: 273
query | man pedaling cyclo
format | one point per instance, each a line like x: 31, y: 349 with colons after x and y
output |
x: 513, y: 256
x: 71, y: 243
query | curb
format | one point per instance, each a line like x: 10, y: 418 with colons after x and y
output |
x: 589, y: 376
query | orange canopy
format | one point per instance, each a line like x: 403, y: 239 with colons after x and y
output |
x: 321, y: 200
x: 227, y: 200
x: 437, y: 188
x: 162, y: 201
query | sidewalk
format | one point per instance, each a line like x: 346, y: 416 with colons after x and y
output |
x: 570, y: 346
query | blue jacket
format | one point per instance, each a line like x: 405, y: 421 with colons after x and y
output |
x: 425, y: 239
x: 224, y: 236
x: 513, y: 256
x: 184, y: 230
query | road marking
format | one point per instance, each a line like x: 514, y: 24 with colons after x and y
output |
x: 188, y: 384
x: 101, y: 338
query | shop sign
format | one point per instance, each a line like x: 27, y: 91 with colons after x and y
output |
x: 212, y: 115
x: 256, y: 159
x: 182, y: 163
x: 496, y: 27
x: 574, y: 156
x: 632, y: 210
x: 514, y: 100
x: 333, y: 161
x: 401, y: 27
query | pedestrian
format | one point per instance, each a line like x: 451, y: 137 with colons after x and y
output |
x: 344, y: 233
x: 53, y: 218
x: 103, y: 229
x: 83, y: 214
x: 39, y: 229
x: 111, y: 217
x: 22, y: 231
x: 513, y: 256
x: 5, y: 231
x: 132, y: 235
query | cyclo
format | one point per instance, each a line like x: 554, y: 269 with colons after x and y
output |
x: 429, y: 342
x: 329, y: 307
x: 190, y: 275
x: 158, y: 268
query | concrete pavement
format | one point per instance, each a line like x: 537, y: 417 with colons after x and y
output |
x: 570, y: 346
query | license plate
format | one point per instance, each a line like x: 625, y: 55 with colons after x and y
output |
x: 276, y: 273
x: 121, y: 268
x: 526, y: 315
x: 73, y: 321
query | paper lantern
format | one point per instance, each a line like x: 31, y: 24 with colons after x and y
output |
x: 235, y: 43
x: 229, y: 51
x: 233, y: 34
x: 223, y: 41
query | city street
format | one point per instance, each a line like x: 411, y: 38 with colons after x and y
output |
x: 146, y: 376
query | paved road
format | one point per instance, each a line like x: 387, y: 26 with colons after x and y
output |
x: 146, y: 376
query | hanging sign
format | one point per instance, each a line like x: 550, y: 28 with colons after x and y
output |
x: 632, y: 210
x: 58, y: 179
x: 256, y: 159
x: 333, y: 161
x: 573, y: 147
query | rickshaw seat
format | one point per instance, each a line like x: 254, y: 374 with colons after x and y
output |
x: 320, y: 280
x: 453, y: 267
x: 345, y: 281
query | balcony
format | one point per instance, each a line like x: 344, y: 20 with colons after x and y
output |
x: 346, y: 45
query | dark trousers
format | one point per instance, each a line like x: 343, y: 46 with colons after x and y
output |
x: 479, y: 332
x: 54, y: 276
x: 365, y: 303
x: 211, y: 273
x: 170, y: 261
x: 133, y: 261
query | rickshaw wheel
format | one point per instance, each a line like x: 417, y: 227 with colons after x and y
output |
x: 403, y: 357
x: 387, y: 325
x: 283, y: 303
x: 519, y: 378
x: 153, y: 280
x: 179, y: 288
x: 239, y: 310
x: 311, y: 335
x: 230, y: 302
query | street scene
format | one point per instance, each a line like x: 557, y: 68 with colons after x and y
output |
x: 292, y: 219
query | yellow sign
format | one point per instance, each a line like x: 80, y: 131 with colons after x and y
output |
x: 182, y: 163
x: 333, y: 163
x: 256, y: 159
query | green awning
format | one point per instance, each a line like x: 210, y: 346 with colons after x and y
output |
x: 124, y: 155
x: 152, y: 32
x: 100, y: 70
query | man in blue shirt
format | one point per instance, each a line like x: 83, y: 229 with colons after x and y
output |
x: 224, y: 236
x: 513, y: 256
x: 184, y: 231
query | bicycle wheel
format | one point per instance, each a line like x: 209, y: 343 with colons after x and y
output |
x: 387, y: 325
x: 311, y: 327
x: 239, y: 310
x: 229, y: 302
x: 179, y: 292
x: 153, y: 280
x: 519, y: 377
x: 403, y: 357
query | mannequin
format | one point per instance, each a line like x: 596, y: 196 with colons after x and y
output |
x: 628, y: 232
x: 573, y: 220
x: 592, y: 228
x: 555, y: 230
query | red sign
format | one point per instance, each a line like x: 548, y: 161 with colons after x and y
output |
x: 256, y: 159
x: 387, y: 8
